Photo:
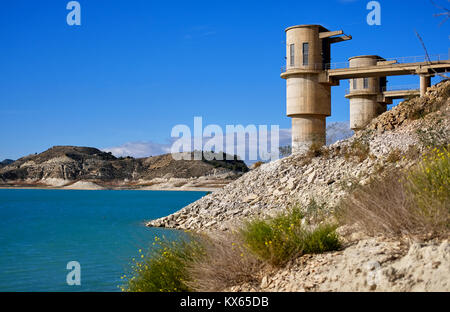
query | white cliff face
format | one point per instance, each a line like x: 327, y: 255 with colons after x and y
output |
x: 62, y: 166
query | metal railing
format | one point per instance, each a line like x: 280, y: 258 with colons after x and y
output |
x: 419, y: 58
x: 411, y: 87
x: 398, y: 60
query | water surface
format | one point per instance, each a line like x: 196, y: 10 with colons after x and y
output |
x: 42, y: 230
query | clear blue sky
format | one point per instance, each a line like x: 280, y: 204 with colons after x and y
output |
x: 136, y: 68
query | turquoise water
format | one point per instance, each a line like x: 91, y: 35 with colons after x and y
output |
x: 42, y: 230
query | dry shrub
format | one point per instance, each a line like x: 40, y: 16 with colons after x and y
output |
x: 314, y: 150
x: 411, y: 204
x: 383, y: 206
x: 412, y: 153
x: 359, y: 150
x: 227, y: 263
x: 257, y: 164
x: 394, y: 155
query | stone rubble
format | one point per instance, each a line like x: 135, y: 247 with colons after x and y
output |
x: 370, y: 264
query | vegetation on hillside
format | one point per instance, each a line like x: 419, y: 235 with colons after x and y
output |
x: 284, y: 237
x: 410, y: 203
x: 214, y: 263
x: 414, y: 202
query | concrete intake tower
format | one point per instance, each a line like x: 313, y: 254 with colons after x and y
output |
x: 308, y: 99
x: 310, y: 75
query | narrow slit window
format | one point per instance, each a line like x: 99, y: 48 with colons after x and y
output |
x: 291, y: 55
x: 305, y: 53
x: 366, y: 83
x: 354, y: 84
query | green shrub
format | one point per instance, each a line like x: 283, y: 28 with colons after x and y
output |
x: 164, y: 268
x: 323, y: 238
x: 429, y: 184
x: 283, y: 238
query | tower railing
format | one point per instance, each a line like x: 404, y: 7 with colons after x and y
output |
x: 408, y: 87
x: 397, y: 60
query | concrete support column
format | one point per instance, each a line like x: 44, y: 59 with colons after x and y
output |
x: 364, y: 94
x: 363, y: 109
x: 425, y: 82
x: 308, y: 130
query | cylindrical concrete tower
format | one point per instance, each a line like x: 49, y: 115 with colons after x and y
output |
x: 308, y: 100
x: 365, y: 93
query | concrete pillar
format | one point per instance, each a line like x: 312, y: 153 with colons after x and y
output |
x: 308, y: 130
x: 364, y: 94
x: 425, y: 82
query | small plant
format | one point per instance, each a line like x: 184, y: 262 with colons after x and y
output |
x: 283, y: 237
x: 315, y: 150
x: 257, y: 164
x: 315, y: 212
x: 164, y: 269
x: 412, y: 153
x: 394, y: 156
x: 285, y: 150
x: 324, y: 238
x: 359, y: 149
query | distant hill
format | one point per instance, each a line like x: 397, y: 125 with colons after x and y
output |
x: 6, y: 162
x: 64, y: 164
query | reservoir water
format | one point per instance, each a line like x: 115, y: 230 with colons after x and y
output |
x: 42, y: 230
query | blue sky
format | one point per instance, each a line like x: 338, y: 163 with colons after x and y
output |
x: 136, y: 68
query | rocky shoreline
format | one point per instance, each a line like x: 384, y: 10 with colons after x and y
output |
x: 213, y: 186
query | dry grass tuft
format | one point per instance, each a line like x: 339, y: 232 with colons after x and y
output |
x: 415, y: 203
x: 257, y: 164
x: 359, y: 150
x: 227, y: 263
x: 394, y: 155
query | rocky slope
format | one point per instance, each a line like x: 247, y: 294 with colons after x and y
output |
x: 366, y: 264
x: 86, y: 167
x: 394, y: 140
x: 406, y: 129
